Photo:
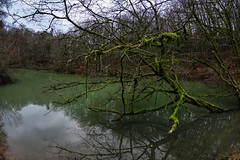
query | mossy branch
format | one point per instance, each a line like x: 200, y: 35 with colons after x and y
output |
x: 95, y: 109
x: 61, y: 86
x: 88, y: 91
x: 166, y: 36
x: 142, y: 111
x: 173, y: 117
x: 204, y: 104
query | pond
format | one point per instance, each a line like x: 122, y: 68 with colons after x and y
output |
x: 32, y: 126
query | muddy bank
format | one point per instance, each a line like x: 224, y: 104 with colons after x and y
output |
x: 3, y: 143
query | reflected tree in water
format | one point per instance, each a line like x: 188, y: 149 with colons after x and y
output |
x: 206, y: 139
x: 3, y: 143
x: 8, y: 114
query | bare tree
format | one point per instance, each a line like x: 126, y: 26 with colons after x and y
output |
x: 216, y: 19
x: 4, y: 77
x: 135, y: 31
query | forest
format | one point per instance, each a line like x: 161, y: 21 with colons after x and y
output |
x: 146, y: 46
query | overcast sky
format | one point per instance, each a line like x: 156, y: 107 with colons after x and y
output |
x: 21, y: 9
x: 77, y: 12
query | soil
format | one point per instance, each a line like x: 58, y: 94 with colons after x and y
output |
x: 3, y: 144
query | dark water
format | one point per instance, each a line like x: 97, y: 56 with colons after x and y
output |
x: 33, y: 127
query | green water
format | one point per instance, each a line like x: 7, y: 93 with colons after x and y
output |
x: 33, y: 127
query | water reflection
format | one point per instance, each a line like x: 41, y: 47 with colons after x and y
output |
x: 29, y: 122
x: 206, y: 138
x: 34, y: 128
x: 8, y: 115
x: 38, y: 130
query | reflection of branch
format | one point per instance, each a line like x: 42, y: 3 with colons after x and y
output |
x: 101, y: 144
x: 144, y: 141
x: 11, y: 116
x: 81, y: 153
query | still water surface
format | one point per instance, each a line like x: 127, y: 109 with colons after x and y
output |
x: 36, y: 128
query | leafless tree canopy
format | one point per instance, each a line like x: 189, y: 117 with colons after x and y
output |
x: 149, y: 46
